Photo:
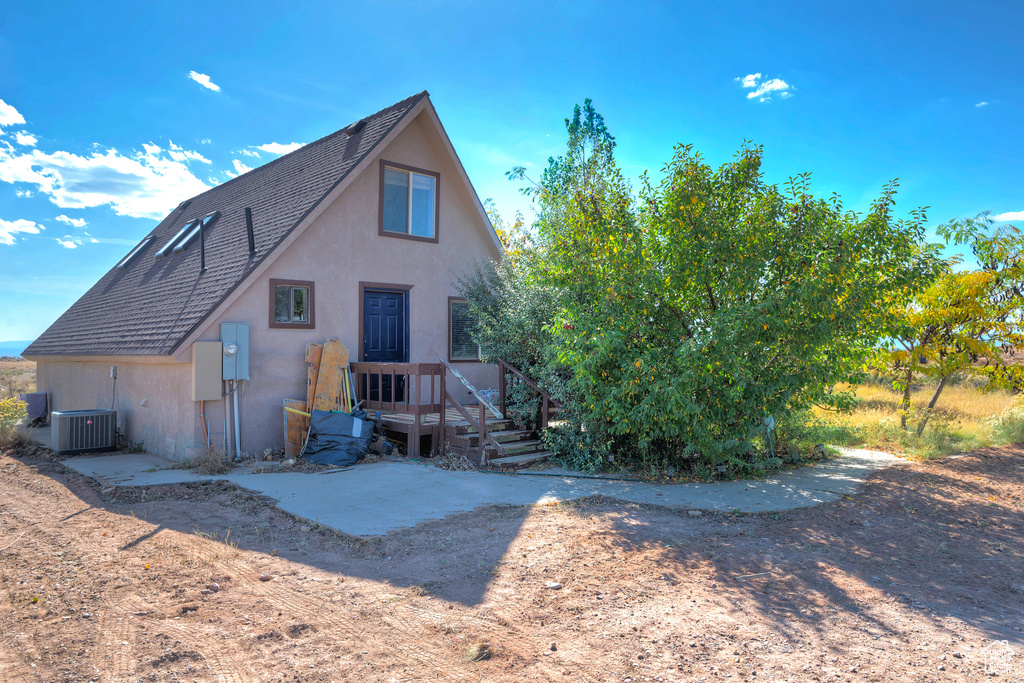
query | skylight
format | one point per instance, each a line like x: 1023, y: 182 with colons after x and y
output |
x: 194, y: 232
x: 184, y: 237
x: 174, y: 240
x: 134, y: 252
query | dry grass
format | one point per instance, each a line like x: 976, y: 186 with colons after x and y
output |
x: 17, y: 377
x: 965, y: 419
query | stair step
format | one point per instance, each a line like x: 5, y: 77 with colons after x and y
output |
x: 473, y: 440
x: 518, y: 461
x: 511, y: 435
x: 493, y: 425
x: 520, y: 447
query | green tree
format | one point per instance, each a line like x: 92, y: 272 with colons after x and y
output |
x: 685, y: 314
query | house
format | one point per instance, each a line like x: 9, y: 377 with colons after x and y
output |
x: 357, y: 236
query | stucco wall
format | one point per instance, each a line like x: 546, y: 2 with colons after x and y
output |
x: 153, y: 400
x: 338, y: 251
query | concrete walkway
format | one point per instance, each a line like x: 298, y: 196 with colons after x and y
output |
x: 373, y: 499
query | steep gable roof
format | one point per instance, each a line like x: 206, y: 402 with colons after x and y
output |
x: 148, y: 307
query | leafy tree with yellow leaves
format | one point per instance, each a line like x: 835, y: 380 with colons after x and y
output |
x: 966, y: 322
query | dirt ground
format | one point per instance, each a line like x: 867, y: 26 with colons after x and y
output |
x: 911, y: 580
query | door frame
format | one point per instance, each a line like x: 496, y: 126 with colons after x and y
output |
x: 385, y: 287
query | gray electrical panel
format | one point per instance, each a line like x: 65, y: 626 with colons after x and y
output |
x: 235, y: 338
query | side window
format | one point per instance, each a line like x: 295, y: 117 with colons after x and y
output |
x: 291, y: 304
x: 461, y: 346
x: 408, y: 202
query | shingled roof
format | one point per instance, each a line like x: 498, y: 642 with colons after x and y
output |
x: 151, y: 305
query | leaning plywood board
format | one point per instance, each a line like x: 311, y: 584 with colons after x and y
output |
x: 313, y: 355
x: 330, y: 378
x: 294, y: 427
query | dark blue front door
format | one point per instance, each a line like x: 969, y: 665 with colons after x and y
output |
x: 385, y: 337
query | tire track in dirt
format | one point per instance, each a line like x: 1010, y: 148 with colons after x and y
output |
x: 441, y: 662
x: 115, y: 638
x: 11, y: 669
x: 116, y: 641
x: 228, y: 663
x: 528, y: 647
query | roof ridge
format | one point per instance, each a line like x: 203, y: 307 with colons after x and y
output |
x: 306, y: 146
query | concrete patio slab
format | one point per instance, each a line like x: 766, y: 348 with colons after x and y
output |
x: 373, y: 499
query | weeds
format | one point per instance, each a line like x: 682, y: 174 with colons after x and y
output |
x: 210, y: 462
x: 1009, y: 426
x: 965, y: 419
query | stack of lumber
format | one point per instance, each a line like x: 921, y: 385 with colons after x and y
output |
x: 328, y: 387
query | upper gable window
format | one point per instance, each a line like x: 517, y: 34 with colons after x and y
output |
x: 408, y: 202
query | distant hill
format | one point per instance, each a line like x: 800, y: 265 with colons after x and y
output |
x: 13, y: 348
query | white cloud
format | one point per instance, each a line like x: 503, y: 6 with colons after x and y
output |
x: 68, y: 242
x: 76, y: 222
x: 186, y: 155
x: 146, y: 185
x: 763, y: 90
x: 25, y: 138
x: 748, y: 81
x: 181, y: 154
x: 240, y: 168
x: 249, y: 152
x: 981, y: 104
x: 23, y: 193
x: 1010, y: 216
x: 9, y: 228
x: 9, y: 116
x: 203, y: 80
x: 205, y: 141
x: 278, y: 148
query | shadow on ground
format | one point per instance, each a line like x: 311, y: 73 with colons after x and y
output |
x: 942, y: 539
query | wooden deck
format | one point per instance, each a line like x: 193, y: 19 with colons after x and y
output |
x: 451, y: 416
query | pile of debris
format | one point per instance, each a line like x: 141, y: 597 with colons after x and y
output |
x: 327, y: 428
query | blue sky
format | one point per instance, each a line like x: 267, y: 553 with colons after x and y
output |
x: 104, y: 129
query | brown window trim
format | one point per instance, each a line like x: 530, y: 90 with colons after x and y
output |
x: 273, y: 324
x: 457, y: 360
x: 385, y: 286
x: 437, y: 203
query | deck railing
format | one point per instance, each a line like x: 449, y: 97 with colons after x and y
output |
x: 413, y: 388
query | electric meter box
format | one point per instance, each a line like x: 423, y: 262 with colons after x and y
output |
x: 207, y: 369
x: 235, y: 338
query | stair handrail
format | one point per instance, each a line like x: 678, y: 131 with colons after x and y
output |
x: 546, y: 398
x: 473, y: 390
x: 485, y: 405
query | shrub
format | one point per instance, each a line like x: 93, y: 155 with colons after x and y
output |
x: 1009, y: 426
x: 12, y: 411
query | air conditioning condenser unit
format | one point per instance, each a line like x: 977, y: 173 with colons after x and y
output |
x: 82, y: 431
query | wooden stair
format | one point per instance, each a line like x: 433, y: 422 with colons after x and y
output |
x: 505, y: 447
x: 515, y: 448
